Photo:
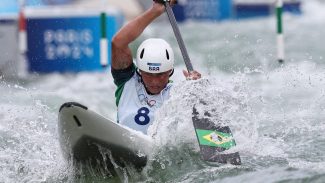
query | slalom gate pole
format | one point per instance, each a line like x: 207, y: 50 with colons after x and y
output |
x: 103, y: 41
x: 22, y: 36
x: 280, y: 37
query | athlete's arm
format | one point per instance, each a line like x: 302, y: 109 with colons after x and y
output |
x: 121, y: 53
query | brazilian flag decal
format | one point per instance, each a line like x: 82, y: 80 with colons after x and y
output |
x: 215, y: 138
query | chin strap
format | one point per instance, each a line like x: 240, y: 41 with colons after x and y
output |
x: 140, y: 76
x: 141, y: 80
x: 171, y: 73
x: 138, y: 72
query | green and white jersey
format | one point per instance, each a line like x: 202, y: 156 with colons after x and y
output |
x: 136, y: 107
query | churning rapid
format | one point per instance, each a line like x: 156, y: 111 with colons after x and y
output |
x: 276, y: 112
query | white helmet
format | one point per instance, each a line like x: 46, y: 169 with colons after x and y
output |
x: 155, y: 56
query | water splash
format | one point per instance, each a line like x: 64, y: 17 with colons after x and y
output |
x: 29, y: 148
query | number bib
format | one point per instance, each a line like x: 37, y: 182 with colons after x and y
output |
x: 142, y: 118
x: 136, y: 107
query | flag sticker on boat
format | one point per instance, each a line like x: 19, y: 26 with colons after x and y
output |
x: 215, y: 138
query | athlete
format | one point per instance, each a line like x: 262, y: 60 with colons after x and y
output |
x: 142, y: 88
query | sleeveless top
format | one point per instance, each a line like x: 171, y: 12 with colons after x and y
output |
x: 136, y: 107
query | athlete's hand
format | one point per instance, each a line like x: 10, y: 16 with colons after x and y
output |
x: 193, y: 75
x: 159, y: 6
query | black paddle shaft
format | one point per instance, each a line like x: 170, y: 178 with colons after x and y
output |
x: 178, y: 36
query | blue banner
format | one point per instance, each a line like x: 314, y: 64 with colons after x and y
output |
x: 67, y: 44
x: 203, y: 10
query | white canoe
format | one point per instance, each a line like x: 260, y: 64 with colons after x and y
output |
x: 84, y: 134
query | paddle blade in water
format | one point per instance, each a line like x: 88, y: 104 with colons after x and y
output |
x: 214, y: 141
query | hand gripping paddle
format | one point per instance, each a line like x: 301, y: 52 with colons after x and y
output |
x: 214, y: 140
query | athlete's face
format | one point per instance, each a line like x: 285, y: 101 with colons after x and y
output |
x: 155, y: 83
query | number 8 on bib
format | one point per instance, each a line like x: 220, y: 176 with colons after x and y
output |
x: 142, y: 117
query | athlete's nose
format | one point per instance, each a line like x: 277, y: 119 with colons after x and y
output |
x: 155, y: 81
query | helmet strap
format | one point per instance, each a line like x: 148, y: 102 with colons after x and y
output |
x: 139, y: 74
x: 141, y: 80
x: 171, y: 73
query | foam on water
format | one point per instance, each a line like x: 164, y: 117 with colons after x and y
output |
x: 277, y: 119
x: 29, y: 142
x: 30, y: 149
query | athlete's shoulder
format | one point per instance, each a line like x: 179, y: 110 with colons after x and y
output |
x: 121, y: 76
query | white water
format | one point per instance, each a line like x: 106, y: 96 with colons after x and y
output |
x: 276, y: 113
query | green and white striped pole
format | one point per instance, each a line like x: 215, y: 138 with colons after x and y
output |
x: 103, y: 41
x: 280, y: 37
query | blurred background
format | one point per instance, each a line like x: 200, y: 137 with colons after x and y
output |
x: 44, y: 36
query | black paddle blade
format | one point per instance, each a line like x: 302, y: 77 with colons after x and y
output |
x: 214, y: 141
